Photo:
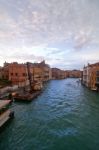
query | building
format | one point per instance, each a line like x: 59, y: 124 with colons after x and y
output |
x: 1, y: 72
x: 16, y: 73
x: 27, y: 73
x: 47, y: 74
x: 86, y: 76
x: 40, y: 71
x: 91, y: 76
x: 66, y: 74
x: 58, y: 73
x: 35, y: 74
x: 75, y: 74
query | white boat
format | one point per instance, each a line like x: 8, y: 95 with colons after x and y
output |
x: 94, y: 89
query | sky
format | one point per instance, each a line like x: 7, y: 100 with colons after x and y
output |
x: 64, y: 33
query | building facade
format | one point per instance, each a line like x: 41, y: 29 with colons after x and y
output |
x: 47, y: 74
x: 27, y: 73
x: 1, y: 72
x: 58, y: 73
x: 16, y: 73
x: 75, y: 74
x: 91, y: 76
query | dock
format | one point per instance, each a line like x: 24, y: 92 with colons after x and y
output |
x: 5, y: 113
x: 4, y: 118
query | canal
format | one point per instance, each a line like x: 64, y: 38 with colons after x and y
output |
x: 64, y: 117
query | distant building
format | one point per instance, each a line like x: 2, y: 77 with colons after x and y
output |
x: 66, y: 74
x: 58, y: 73
x: 75, y: 74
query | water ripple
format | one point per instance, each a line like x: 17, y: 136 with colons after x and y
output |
x: 65, y: 116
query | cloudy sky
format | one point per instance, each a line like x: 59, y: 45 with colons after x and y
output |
x: 63, y: 32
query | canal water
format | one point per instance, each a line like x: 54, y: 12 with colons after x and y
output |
x: 64, y: 117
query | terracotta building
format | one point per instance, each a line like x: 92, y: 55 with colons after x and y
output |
x: 40, y: 71
x: 16, y: 73
x: 21, y: 74
x: 35, y: 76
x: 47, y: 74
x: 66, y: 74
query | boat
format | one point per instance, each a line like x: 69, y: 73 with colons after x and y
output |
x: 26, y: 97
x: 5, y: 113
x: 94, y: 89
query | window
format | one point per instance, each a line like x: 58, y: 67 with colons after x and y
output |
x: 11, y: 74
x: 24, y: 74
x: 16, y: 74
x: 97, y: 79
x: 97, y: 73
x: 6, y: 76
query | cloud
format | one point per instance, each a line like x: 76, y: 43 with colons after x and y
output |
x: 24, y: 57
x: 46, y: 21
x: 53, y: 30
x: 81, y: 40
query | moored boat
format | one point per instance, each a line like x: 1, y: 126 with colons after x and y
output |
x: 27, y: 97
x: 94, y: 89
